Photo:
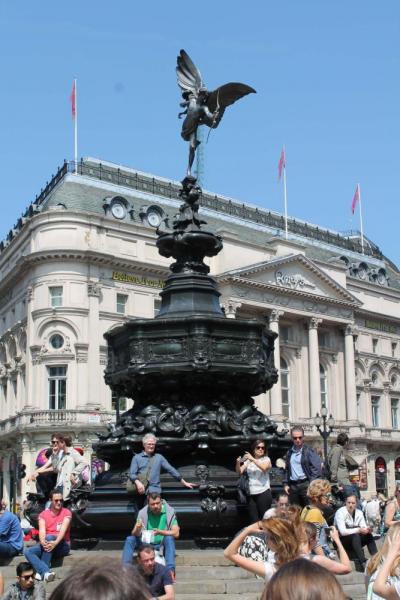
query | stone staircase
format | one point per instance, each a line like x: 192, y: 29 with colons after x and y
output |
x: 201, y: 575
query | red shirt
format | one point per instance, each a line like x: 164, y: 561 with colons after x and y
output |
x: 53, y: 522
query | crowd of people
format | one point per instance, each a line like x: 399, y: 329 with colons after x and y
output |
x: 299, y: 541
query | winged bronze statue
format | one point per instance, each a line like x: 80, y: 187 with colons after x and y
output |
x: 201, y: 106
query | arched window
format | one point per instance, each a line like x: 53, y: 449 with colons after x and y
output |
x: 285, y: 388
x: 324, y: 387
x: 397, y: 469
x: 381, y: 475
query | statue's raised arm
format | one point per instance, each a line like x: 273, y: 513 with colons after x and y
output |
x: 202, y: 107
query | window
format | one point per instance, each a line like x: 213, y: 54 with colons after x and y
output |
x: 122, y: 299
x: 324, y: 387
x: 156, y: 306
x: 285, y: 388
x: 56, y: 341
x: 121, y: 400
x: 4, y: 391
x: 323, y: 339
x: 285, y: 333
x: 395, y: 413
x: 56, y: 296
x: 374, y: 345
x: 375, y: 410
x: 394, y: 349
x: 358, y: 401
x: 57, y: 387
x: 374, y: 378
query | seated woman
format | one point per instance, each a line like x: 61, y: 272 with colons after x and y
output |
x: 383, y: 569
x: 301, y: 579
x: 338, y: 568
x: 282, y: 540
x: 318, y: 493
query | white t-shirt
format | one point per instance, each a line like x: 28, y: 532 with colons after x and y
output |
x: 269, y: 571
x: 258, y: 480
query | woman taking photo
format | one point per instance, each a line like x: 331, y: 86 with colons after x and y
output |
x: 281, y: 538
x: 257, y: 465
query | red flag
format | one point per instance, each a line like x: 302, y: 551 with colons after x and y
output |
x: 73, y: 101
x: 282, y: 163
x: 356, y: 198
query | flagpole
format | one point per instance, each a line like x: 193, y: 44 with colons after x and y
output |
x: 361, y: 220
x: 76, y: 128
x: 285, y: 194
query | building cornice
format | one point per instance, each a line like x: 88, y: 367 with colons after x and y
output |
x: 379, y: 290
x: 286, y: 291
x: 25, y: 263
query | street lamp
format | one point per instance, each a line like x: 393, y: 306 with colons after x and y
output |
x: 325, y: 432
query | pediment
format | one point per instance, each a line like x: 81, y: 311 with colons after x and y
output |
x: 294, y: 274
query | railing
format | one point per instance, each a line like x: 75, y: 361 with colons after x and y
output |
x: 31, y: 419
x: 145, y: 183
x: 169, y: 189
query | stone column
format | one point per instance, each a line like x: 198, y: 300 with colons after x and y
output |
x: 95, y: 376
x: 367, y: 403
x: 276, y: 393
x: 29, y: 397
x: 230, y: 307
x: 313, y: 366
x: 350, y: 376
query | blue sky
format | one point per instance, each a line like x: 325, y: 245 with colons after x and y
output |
x: 327, y: 81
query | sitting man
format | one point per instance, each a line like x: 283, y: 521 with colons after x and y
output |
x: 157, y: 577
x: 54, y: 537
x: 11, y: 534
x: 156, y: 524
x: 354, y: 533
x: 26, y: 588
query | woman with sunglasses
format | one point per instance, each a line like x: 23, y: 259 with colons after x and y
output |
x: 315, y: 512
x: 257, y: 466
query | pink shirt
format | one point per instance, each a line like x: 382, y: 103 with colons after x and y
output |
x: 54, y: 521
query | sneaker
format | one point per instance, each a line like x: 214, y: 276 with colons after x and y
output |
x: 49, y: 576
x: 38, y: 577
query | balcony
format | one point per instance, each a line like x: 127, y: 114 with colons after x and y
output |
x: 51, y: 419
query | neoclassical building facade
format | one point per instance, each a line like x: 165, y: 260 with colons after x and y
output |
x: 83, y: 259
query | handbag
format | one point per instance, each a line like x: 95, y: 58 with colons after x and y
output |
x: 243, y: 487
x: 142, y: 477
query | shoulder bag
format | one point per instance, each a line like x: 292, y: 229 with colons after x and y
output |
x: 142, y: 477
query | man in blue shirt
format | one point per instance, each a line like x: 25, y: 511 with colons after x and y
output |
x: 141, y: 465
x: 11, y: 535
x: 302, y: 466
x: 158, y: 579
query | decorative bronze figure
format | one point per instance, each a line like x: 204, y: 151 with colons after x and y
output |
x: 201, y: 106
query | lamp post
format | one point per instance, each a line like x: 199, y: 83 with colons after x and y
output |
x: 325, y: 432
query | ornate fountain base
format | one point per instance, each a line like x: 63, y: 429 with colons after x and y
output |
x: 192, y: 374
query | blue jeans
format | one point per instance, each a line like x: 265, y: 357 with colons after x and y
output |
x: 40, y: 559
x: 168, y: 542
x: 7, y: 550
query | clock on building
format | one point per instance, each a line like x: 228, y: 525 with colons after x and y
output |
x: 118, y: 209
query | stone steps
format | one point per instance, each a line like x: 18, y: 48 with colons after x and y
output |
x: 201, y: 575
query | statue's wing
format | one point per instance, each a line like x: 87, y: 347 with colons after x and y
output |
x: 225, y: 96
x: 189, y: 76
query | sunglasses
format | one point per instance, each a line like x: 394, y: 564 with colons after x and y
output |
x: 26, y: 577
x: 54, y: 442
x: 57, y: 501
x: 297, y: 437
x: 260, y: 447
